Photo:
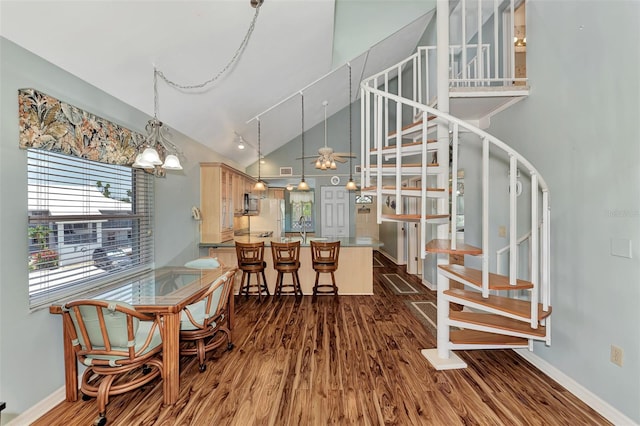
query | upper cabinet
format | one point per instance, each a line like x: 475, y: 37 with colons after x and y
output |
x: 222, y: 191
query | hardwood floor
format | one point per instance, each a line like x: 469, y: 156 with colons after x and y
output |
x: 342, y: 360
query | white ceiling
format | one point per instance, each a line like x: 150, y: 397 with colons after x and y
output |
x: 114, y: 45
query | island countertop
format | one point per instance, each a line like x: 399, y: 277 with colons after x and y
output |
x: 344, y: 241
x: 353, y: 277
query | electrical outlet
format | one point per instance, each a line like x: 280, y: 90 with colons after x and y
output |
x: 616, y: 355
x: 502, y: 231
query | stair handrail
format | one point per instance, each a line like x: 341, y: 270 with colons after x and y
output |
x: 515, y: 158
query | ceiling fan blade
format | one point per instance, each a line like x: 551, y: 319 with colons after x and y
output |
x: 345, y: 154
x: 339, y: 159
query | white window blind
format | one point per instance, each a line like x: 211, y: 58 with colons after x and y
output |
x: 90, y: 224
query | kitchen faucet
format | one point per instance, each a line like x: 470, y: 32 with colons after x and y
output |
x: 303, y: 232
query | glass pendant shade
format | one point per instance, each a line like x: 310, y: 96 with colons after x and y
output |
x: 303, y: 185
x: 172, y: 162
x: 140, y: 164
x: 333, y: 165
x: 318, y: 164
x: 351, y: 185
x: 259, y: 186
x: 150, y: 155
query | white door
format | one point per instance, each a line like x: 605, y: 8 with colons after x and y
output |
x: 334, y: 207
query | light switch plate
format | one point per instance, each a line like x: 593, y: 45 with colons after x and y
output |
x: 621, y: 247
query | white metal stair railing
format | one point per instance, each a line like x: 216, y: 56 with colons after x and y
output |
x: 374, y: 99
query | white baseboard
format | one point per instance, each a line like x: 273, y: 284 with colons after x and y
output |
x: 586, y: 396
x: 40, y: 409
x: 388, y: 256
x: 428, y: 285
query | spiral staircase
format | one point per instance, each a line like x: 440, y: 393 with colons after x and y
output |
x: 411, y: 139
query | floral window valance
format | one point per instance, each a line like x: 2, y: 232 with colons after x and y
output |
x: 52, y: 125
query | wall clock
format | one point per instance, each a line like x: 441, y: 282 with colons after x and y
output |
x: 335, y: 180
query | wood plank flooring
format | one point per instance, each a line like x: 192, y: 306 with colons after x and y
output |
x: 342, y: 360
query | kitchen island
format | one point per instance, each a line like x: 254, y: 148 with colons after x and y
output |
x: 355, y: 267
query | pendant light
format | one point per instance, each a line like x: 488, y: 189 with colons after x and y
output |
x: 303, y: 185
x: 351, y: 185
x: 260, y: 185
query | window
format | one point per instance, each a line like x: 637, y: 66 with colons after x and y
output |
x: 299, y: 211
x: 89, y: 224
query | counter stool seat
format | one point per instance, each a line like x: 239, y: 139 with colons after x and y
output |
x: 286, y: 260
x: 324, y: 256
x: 251, y: 261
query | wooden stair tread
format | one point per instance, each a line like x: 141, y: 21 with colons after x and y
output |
x: 404, y: 145
x: 413, y: 217
x: 496, y: 282
x: 474, y: 337
x: 497, y: 321
x: 410, y: 125
x: 444, y: 246
x: 519, y: 308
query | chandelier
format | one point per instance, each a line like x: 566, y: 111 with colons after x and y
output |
x: 158, y: 149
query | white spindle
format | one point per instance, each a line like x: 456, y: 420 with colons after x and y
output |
x: 398, y: 158
x: 495, y: 40
x: 463, y: 13
x: 386, y: 109
x: 512, y: 48
x: 414, y: 69
x: 364, y: 143
x: 423, y: 192
x: 535, y: 291
x: 546, y: 251
x: 513, y: 219
x: 479, y: 46
x: 485, y: 217
x: 454, y: 189
x: 379, y: 156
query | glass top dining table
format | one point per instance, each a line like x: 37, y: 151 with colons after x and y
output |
x: 164, y: 292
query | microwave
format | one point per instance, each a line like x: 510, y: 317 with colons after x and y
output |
x: 251, y: 204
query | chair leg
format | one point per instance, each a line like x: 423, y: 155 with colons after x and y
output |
x: 201, y: 354
x: 333, y: 281
x: 296, y: 283
x: 264, y: 282
x: 315, y: 285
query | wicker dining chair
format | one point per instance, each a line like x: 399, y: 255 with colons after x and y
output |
x: 120, y: 346
x: 204, y: 325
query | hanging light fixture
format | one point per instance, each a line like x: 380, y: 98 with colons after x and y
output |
x: 157, y: 137
x: 260, y: 185
x: 351, y: 185
x: 303, y: 185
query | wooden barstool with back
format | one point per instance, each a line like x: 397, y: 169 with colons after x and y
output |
x: 324, y: 256
x: 286, y: 260
x: 251, y: 261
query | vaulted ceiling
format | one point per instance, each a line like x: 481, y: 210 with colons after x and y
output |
x: 115, y: 45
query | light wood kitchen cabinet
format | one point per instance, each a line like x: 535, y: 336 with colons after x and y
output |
x: 221, y: 196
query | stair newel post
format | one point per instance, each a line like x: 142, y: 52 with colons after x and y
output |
x: 485, y: 217
x: 513, y: 219
x: 442, y: 338
x: 454, y: 188
x: 535, y: 291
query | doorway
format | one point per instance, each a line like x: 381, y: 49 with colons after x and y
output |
x: 334, y: 207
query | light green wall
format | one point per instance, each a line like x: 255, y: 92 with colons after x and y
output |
x: 31, y: 342
x: 579, y: 127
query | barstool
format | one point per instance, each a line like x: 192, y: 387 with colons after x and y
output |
x: 324, y: 258
x: 251, y: 261
x: 286, y: 260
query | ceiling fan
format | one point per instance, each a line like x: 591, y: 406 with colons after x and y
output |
x: 326, y: 158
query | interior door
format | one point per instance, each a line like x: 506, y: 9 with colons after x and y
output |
x: 334, y: 207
